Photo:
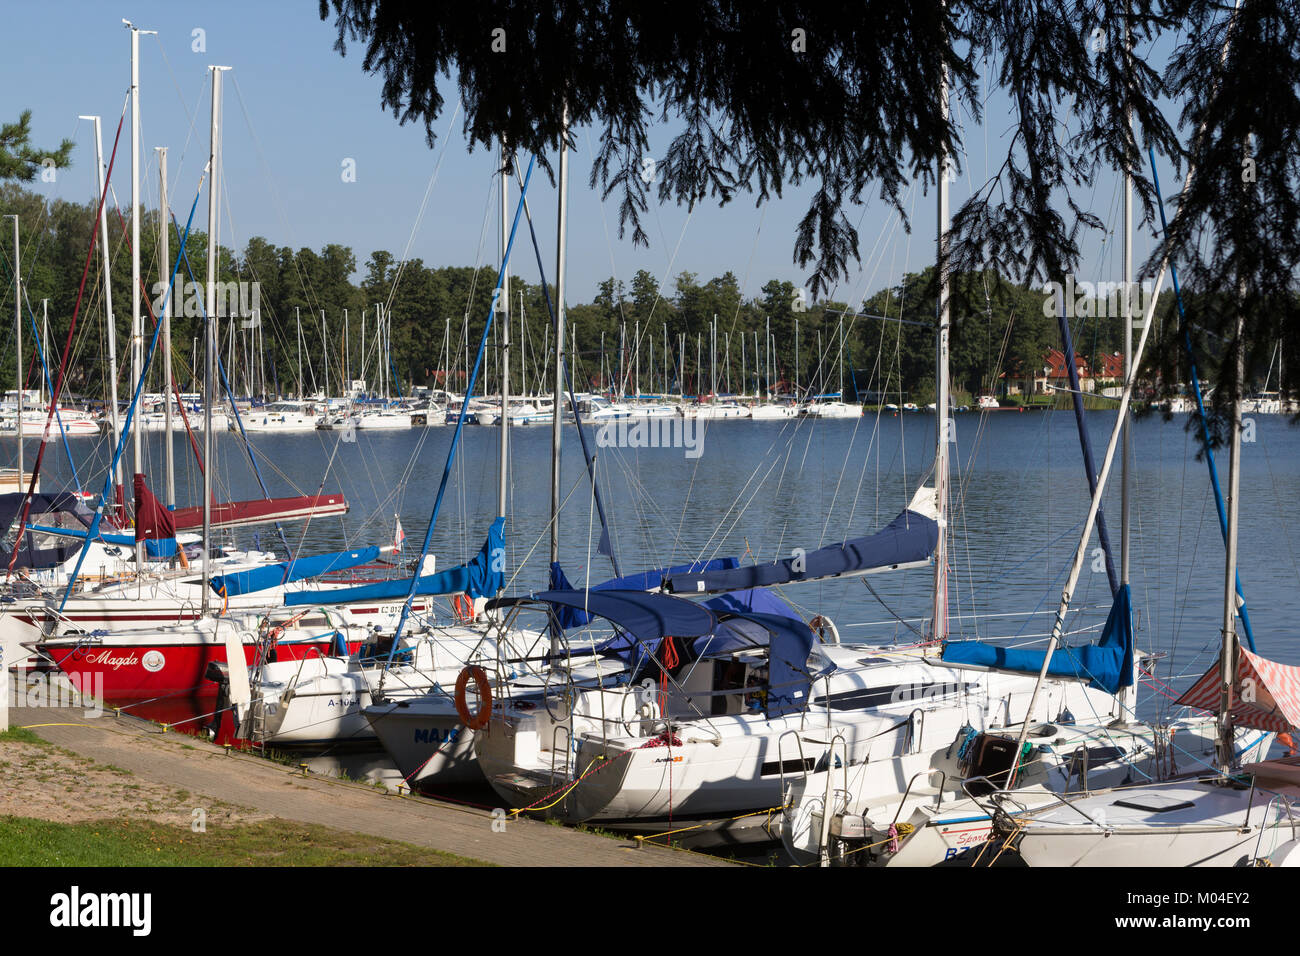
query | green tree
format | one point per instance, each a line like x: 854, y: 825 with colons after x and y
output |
x: 21, y: 161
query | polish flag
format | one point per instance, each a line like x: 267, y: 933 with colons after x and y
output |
x: 398, y: 535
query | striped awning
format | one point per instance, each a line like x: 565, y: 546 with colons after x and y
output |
x: 1265, y: 694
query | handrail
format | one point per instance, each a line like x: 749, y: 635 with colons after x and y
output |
x: 906, y: 793
x: 780, y: 755
x: 908, y: 740
x: 1265, y: 826
x: 828, y: 806
x: 568, y: 745
x: 1082, y: 764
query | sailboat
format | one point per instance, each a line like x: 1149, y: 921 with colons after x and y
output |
x: 840, y: 813
x: 326, y: 700
x: 1217, y: 820
x: 110, y: 642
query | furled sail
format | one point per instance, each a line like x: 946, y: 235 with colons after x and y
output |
x: 1106, y: 665
x: 286, y: 572
x: 154, y: 525
x: 235, y: 514
x: 481, y: 577
x: 907, y: 541
x: 651, y: 580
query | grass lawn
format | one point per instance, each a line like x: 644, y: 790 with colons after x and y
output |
x: 28, y: 842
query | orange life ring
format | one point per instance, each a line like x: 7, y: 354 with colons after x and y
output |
x: 479, y: 719
x: 463, y: 605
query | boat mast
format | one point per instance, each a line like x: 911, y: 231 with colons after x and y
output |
x: 297, y: 318
x: 45, y: 348
x: 939, y: 617
x: 1127, y: 696
x: 562, y: 238
x: 210, y: 356
x: 504, y: 325
x: 137, y: 327
x: 164, y: 216
x: 110, y: 326
x: 1228, y: 655
x: 18, y: 346
x: 796, y: 359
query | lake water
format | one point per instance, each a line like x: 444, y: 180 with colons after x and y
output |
x: 760, y: 489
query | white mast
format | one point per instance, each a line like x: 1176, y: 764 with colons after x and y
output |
x: 1228, y: 655
x: 939, y: 616
x: 713, y: 359
x: 110, y: 326
x: 325, y: 354
x: 18, y: 344
x: 1127, y: 696
x: 164, y: 264
x: 298, y: 321
x: 556, y: 417
x: 210, y: 356
x: 504, y: 326
x: 45, y: 348
x: 137, y: 327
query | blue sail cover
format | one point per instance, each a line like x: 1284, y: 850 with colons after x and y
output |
x: 642, y: 615
x: 482, y: 577
x: 11, y: 505
x: 650, y: 580
x: 747, y: 619
x: 273, y: 575
x: 789, y: 643
x: 1106, y: 665
x: 908, y: 539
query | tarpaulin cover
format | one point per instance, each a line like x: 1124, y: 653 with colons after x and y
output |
x: 1106, y: 665
x: 643, y: 615
x: 746, y: 619
x: 908, y: 539
x: 1265, y: 694
x: 650, y: 580
x: 273, y: 575
x: 11, y: 506
x: 153, y: 522
x: 481, y: 577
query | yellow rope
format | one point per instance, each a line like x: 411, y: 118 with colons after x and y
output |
x: 753, y: 813
x: 904, y: 830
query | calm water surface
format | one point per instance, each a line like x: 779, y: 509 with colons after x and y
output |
x: 760, y: 489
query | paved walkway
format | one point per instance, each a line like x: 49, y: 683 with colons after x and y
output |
x: 204, y: 769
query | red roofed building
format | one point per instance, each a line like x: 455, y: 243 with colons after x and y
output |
x: 1052, y: 374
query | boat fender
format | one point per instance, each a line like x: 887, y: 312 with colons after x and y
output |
x: 479, y: 719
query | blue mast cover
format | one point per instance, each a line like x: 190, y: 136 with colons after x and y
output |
x: 273, y: 575
x: 1106, y: 665
x: 909, y: 538
x: 643, y: 615
x: 481, y: 577
x: 640, y: 581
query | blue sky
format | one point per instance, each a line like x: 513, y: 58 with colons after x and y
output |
x: 295, y: 111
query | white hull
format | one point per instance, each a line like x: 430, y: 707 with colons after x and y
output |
x: 739, y: 762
